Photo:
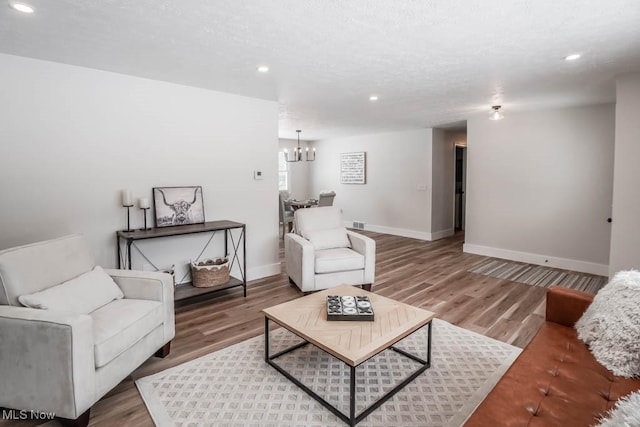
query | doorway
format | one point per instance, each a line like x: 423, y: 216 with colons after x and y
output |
x: 460, y: 186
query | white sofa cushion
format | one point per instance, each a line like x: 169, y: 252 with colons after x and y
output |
x: 120, y: 324
x: 338, y: 259
x: 81, y: 295
x: 328, y: 239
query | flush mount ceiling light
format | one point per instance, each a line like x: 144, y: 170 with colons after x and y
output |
x: 263, y: 69
x: 21, y: 7
x: 572, y: 57
x: 373, y: 98
x: 297, y: 152
x: 496, y: 114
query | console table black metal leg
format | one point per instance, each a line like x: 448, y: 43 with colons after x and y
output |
x: 129, y: 242
x: 244, y: 258
x: 118, y: 251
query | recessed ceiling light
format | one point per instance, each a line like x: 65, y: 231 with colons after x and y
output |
x: 373, y: 98
x: 21, y: 7
x: 263, y: 69
x: 572, y: 57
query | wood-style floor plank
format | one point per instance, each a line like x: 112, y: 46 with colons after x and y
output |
x: 431, y: 275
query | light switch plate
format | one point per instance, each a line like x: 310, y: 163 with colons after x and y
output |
x: 257, y: 175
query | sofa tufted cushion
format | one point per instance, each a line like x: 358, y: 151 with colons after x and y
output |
x: 555, y: 381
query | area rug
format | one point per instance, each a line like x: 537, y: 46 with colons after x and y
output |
x: 235, y: 387
x: 536, y: 275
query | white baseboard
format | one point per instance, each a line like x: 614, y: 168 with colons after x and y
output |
x: 263, y: 271
x: 544, y: 260
x: 414, y: 234
x: 442, y: 234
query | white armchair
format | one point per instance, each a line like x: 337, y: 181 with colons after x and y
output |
x: 63, y: 361
x: 322, y: 254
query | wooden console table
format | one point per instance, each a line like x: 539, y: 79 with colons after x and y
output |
x: 184, y: 291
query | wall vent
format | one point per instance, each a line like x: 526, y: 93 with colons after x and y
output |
x: 358, y: 225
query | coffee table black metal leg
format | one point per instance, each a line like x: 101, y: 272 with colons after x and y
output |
x: 352, y: 396
x: 266, y: 339
x: 352, y: 419
x: 429, y: 345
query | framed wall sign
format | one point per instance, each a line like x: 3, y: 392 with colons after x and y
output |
x: 353, y: 168
x: 178, y: 206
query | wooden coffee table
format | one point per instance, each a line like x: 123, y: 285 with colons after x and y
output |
x: 353, y: 342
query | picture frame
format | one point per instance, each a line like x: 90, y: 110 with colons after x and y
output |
x: 353, y: 168
x: 175, y: 206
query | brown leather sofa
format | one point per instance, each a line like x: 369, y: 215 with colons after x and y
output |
x: 555, y: 381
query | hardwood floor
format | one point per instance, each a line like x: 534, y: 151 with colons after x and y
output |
x: 432, y: 275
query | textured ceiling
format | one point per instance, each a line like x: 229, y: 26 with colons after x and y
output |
x: 431, y: 62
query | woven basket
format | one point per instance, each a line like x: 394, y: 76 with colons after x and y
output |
x: 210, y: 272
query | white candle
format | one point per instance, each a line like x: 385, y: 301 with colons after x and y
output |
x: 144, y: 203
x: 127, y: 198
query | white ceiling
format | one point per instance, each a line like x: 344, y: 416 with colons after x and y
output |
x: 431, y: 62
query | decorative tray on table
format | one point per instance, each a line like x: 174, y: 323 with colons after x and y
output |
x: 349, y: 308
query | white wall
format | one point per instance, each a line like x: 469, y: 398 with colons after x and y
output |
x: 298, y: 171
x: 625, y: 235
x: 443, y: 182
x: 539, y: 187
x: 72, y: 138
x: 397, y: 196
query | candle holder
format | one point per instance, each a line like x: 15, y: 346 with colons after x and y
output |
x: 128, y: 217
x: 144, y: 214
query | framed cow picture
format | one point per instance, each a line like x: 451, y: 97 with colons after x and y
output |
x: 178, y: 206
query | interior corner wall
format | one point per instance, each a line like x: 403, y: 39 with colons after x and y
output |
x: 298, y: 171
x: 443, y: 183
x: 396, y: 198
x: 457, y: 137
x: 539, y: 187
x: 625, y: 234
x: 72, y: 138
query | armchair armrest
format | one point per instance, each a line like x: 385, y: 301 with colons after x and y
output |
x: 366, y: 247
x: 152, y: 286
x: 565, y: 306
x: 147, y: 285
x: 46, y: 361
x: 299, y: 257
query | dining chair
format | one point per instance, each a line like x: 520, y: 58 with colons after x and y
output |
x: 326, y: 199
x: 286, y: 213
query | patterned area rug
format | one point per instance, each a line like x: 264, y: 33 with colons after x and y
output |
x: 539, y: 276
x: 235, y: 387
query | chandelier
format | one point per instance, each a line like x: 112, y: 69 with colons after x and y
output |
x: 297, y: 152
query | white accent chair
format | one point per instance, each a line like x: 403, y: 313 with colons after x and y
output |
x: 53, y: 360
x: 322, y: 254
